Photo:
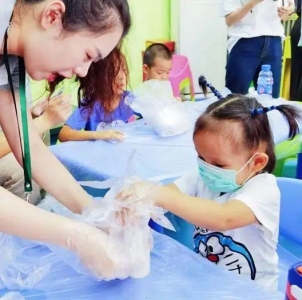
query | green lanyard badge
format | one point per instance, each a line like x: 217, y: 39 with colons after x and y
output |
x: 25, y: 146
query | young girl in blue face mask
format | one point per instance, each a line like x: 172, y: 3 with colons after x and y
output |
x: 231, y: 198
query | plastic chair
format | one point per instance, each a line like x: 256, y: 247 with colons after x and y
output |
x: 289, y: 169
x: 292, y: 167
x: 290, y: 209
x: 181, y: 76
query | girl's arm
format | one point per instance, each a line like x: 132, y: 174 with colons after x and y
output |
x: 68, y: 134
x: 47, y: 171
x: 237, y: 15
x: 205, y: 213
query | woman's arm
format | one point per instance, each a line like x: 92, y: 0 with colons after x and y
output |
x: 22, y: 219
x: 237, y: 15
x: 68, y: 134
x: 205, y: 213
x: 47, y: 171
x: 28, y: 221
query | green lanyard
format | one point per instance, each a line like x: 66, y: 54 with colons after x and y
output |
x: 25, y: 146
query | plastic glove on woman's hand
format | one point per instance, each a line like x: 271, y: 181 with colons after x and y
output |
x: 93, y: 248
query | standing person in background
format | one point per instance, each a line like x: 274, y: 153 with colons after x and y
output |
x: 296, y: 58
x: 255, y: 38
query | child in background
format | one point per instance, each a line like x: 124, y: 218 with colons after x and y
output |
x: 157, y: 62
x: 94, y: 122
x: 232, y: 198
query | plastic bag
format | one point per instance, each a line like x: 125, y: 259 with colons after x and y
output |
x: 125, y: 222
x: 129, y: 239
x: 19, y: 269
x: 155, y: 102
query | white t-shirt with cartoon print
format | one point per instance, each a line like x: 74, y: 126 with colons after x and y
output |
x: 249, y: 250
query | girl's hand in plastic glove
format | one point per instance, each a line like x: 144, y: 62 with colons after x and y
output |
x: 138, y: 191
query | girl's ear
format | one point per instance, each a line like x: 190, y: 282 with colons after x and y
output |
x: 260, y: 161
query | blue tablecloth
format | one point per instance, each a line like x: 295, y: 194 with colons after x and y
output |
x: 176, y: 273
x: 184, y: 275
x: 155, y: 156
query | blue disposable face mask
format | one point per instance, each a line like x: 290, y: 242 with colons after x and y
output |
x: 221, y: 180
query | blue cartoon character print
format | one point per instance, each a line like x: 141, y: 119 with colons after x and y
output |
x: 223, y: 250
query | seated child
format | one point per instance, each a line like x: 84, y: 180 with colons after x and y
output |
x: 232, y: 198
x: 94, y: 123
x: 157, y: 62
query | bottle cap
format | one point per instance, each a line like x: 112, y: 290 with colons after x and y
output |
x: 266, y: 67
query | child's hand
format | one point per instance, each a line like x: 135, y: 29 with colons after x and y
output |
x: 138, y: 191
x: 110, y: 135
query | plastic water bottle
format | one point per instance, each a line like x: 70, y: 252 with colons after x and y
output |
x: 265, y: 81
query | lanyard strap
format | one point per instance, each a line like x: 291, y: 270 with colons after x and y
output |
x: 25, y: 147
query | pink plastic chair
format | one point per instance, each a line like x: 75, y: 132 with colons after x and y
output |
x: 181, y: 76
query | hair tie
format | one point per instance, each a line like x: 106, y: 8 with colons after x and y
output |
x: 261, y: 110
x: 203, y: 80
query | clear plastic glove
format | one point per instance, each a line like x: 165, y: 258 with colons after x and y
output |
x: 137, y: 191
x: 94, y: 248
x: 124, y: 214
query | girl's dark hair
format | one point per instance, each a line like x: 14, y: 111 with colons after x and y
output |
x: 204, y: 85
x: 251, y: 116
x: 110, y: 67
x: 96, y: 16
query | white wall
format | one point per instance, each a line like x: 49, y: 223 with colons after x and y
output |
x: 200, y: 33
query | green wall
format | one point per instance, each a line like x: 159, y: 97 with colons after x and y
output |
x: 150, y: 20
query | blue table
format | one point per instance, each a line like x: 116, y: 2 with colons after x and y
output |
x: 155, y: 156
x: 169, y: 157
x: 176, y: 273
